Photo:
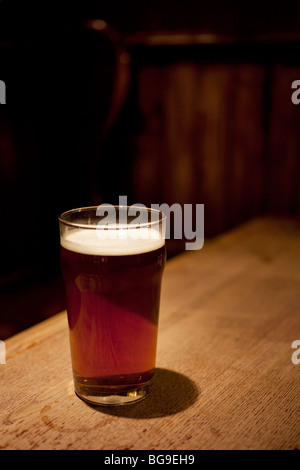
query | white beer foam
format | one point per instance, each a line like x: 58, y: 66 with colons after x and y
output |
x: 112, y: 242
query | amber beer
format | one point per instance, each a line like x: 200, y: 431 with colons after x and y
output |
x: 113, y: 288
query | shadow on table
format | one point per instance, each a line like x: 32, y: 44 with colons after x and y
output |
x: 170, y: 393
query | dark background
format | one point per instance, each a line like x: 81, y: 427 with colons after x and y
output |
x: 176, y: 102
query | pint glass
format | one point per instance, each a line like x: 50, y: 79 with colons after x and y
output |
x: 112, y: 262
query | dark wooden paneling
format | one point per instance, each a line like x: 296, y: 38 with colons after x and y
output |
x: 284, y: 143
x: 202, y: 139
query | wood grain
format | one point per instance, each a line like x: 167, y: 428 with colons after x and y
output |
x: 202, y: 139
x: 225, y: 379
x: 223, y: 134
x: 283, y: 147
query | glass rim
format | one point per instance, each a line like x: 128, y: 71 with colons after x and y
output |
x: 162, y: 217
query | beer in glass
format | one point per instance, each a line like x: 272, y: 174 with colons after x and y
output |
x: 112, y: 266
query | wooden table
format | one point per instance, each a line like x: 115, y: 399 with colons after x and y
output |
x: 225, y: 377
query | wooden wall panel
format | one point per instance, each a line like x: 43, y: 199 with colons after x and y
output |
x: 202, y: 139
x: 284, y: 144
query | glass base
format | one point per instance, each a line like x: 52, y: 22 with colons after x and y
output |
x: 113, y: 399
x: 113, y: 390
